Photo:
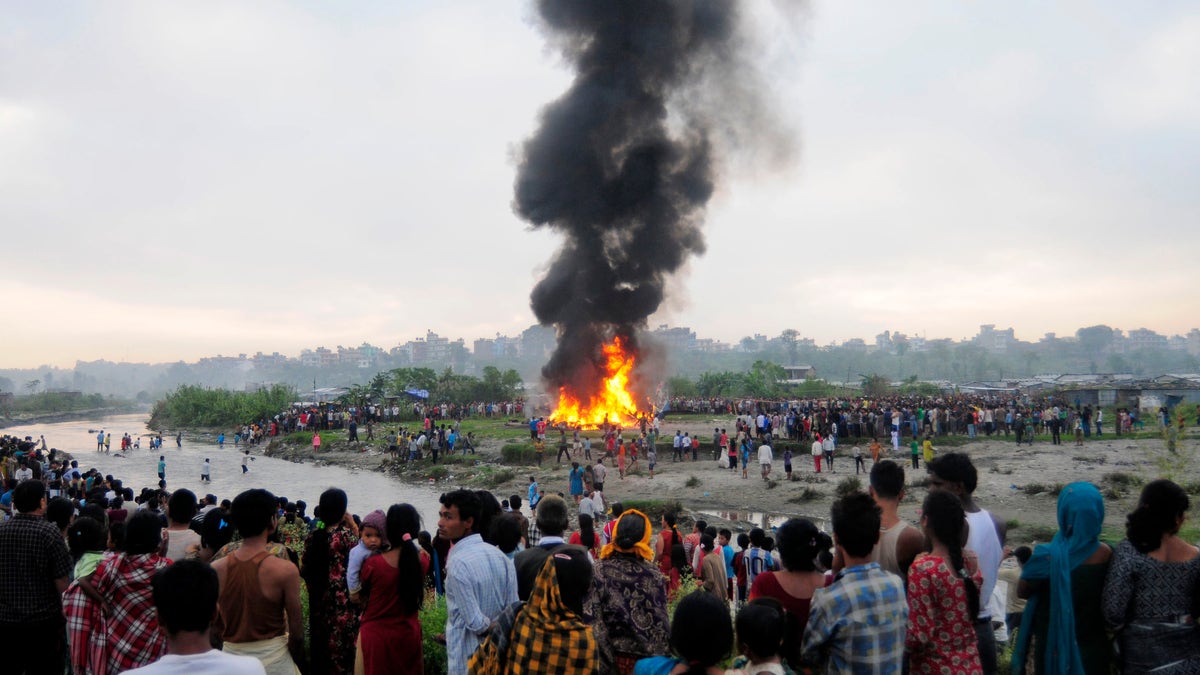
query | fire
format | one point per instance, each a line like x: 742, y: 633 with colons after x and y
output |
x: 613, y: 403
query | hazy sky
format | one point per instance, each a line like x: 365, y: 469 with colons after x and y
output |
x: 186, y: 179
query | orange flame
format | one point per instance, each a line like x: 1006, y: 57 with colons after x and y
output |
x: 613, y: 403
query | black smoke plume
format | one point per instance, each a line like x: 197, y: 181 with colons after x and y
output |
x: 623, y: 163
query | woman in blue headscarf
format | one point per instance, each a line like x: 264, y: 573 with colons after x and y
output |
x: 1064, y: 581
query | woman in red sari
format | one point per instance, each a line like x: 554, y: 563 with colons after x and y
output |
x: 389, y: 639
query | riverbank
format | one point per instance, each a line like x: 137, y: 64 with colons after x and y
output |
x: 1018, y: 484
x: 24, y: 420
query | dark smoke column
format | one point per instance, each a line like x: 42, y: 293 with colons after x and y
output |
x: 622, y: 165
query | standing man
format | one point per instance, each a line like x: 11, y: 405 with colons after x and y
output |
x: 765, y: 456
x: 185, y: 597
x: 954, y: 473
x: 899, y: 540
x: 480, y: 580
x: 677, y: 446
x: 599, y: 473
x: 178, y: 439
x: 36, y: 564
x: 857, y: 624
x: 100, y: 441
x: 259, y: 597
x: 162, y: 467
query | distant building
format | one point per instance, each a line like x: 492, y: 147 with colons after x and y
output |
x: 800, y: 373
x: 995, y: 341
x: 1144, y: 338
x: 678, y: 340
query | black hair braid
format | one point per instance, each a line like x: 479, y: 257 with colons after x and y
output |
x: 956, y: 560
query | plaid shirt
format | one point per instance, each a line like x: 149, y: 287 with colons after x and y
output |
x: 858, y: 624
x: 32, y: 556
x: 133, y: 636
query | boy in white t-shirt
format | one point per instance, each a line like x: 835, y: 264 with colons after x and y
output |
x: 185, y: 595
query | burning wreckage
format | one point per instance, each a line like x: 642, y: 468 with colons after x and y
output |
x: 623, y: 165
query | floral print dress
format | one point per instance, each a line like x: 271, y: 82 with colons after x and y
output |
x: 333, y: 618
x: 941, y: 632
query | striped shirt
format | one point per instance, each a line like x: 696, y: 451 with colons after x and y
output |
x: 858, y: 624
x: 480, y: 582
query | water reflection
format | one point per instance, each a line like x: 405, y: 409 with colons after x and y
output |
x: 748, y: 520
x: 367, y: 490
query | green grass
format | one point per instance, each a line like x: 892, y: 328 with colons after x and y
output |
x: 518, y: 453
x: 433, y: 622
x: 653, y: 508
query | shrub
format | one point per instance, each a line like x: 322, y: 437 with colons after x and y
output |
x: 433, y: 622
x: 1121, y: 480
x: 806, y: 495
x: 692, y: 482
x: 518, y: 453
x: 848, y: 486
x: 687, y: 585
x: 503, y: 476
x: 438, y: 472
x: 654, y: 508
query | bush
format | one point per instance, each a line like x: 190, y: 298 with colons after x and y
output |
x: 848, y: 486
x: 433, y: 622
x: 438, y: 472
x: 1122, y: 480
x: 688, y: 584
x: 518, y: 453
x: 692, y: 482
x: 804, y: 496
x: 502, y: 476
x: 654, y: 508
x: 1051, y: 489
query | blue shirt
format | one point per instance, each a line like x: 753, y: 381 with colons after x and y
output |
x: 859, y: 623
x: 480, y: 582
x: 576, y: 481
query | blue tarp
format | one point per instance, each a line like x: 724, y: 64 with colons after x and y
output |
x: 419, y: 393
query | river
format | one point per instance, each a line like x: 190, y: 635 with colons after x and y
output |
x: 368, y: 490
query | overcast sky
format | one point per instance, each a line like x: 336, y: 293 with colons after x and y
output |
x: 185, y: 179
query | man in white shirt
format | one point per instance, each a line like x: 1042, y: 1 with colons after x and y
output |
x: 185, y: 595
x: 765, y: 457
x: 24, y: 473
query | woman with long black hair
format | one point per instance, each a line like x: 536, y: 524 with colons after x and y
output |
x: 394, y: 586
x: 943, y: 593
x: 333, y: 618
x: 668, y: 537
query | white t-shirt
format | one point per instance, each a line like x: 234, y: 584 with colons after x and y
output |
x: 765, y: 456
x: 212, y: 662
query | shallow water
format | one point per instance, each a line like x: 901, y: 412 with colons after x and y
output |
x: 367, y: 490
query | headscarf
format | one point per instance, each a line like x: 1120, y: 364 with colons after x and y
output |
x: 1080, y: 518
x: 547, y: 636
x: 641, y: 549
x: 378, y: 520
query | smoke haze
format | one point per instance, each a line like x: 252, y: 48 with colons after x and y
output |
x: 625, y: 161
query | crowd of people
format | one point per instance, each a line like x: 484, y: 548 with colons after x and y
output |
x: 102, y: 580
x: 113, y: 581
